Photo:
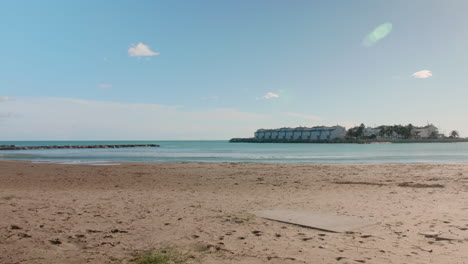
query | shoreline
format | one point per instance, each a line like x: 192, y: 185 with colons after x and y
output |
x: 52, y: 213
x: 87, y: 163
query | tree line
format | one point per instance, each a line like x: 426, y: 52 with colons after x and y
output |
x: 399, y: 131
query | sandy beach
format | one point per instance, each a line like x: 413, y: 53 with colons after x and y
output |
x: 108, y: 214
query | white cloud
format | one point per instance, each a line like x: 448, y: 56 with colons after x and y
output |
x: 270, y: 95
x: 105, y: 86
x: 141, y: 50
x: 422, y: 74
x: 310, y: 118
x: 6, y: 98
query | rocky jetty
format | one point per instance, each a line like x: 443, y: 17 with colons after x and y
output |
x: 13, y: 147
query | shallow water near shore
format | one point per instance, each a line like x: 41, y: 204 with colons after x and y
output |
x: 223, y: 151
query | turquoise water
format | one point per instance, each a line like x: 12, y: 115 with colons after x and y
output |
x: 223, y: 151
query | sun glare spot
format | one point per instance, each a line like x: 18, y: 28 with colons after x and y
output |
x: 377, y: 34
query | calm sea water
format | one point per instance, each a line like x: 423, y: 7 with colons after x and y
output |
x: 223, y: 151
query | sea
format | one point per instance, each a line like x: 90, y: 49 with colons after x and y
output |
x: 224, y: 151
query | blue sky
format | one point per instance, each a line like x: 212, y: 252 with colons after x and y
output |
x: 221, y: 69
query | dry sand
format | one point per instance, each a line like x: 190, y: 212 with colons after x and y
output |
x: 107, y: 214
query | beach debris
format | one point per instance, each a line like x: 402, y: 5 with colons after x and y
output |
x: 15, y: 227
x: 55, y: 241
x: 118, y: 231
x: 359, y: 183
x: 420, y: 185
x: 430, y: 234
x: 93, y: 231
x: 422, y: 249
x: 284, y: 258
x: 460, y: 227
x: 438, y: 236
x: 449, y: 237
x: 24, y: 235
x: 257, y: 233
x: 315, y: 220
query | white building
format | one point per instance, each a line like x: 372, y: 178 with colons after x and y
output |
x: 416, y: 132
x: 424, y: 132
x: 302, y: 133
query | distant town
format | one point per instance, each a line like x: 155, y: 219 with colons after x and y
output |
x: 358, y: 134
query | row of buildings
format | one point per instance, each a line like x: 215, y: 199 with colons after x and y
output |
x: 302, y: 133
x: 321, y: 133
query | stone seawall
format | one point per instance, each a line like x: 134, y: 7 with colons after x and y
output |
x: 256, y: 140
x: 349, y: 140
x: 13, y: 147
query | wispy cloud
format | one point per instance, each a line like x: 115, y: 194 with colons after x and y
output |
x: 6, y: 115
x: 270, y: 95
x: 310, y: 118
x: 105, y: 86
x: 210, y: 98
x: 377, y: 34
x: 141, y: 50
x: 422, y: 74
x: 6, y: 98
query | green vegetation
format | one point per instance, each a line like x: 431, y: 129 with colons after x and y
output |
x: 454, y: 134
x: 164, y: 256
x: 8, y: 197
x: 434, y: 135
x: 395, y: 132
x: 356, y: 132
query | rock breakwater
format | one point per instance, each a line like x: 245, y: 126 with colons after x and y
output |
x: 13, y: 147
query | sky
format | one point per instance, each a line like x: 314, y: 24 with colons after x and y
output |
x: 200, y: 70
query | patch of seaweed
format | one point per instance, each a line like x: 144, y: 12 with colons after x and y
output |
x: 359, y: 183
x: 420, y: 185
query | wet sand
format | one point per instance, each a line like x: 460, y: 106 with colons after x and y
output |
x: 107, y: 214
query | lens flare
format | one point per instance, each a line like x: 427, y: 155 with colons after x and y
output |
x: 377, y: 34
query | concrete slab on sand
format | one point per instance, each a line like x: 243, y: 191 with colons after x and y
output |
x: 316, y: 220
